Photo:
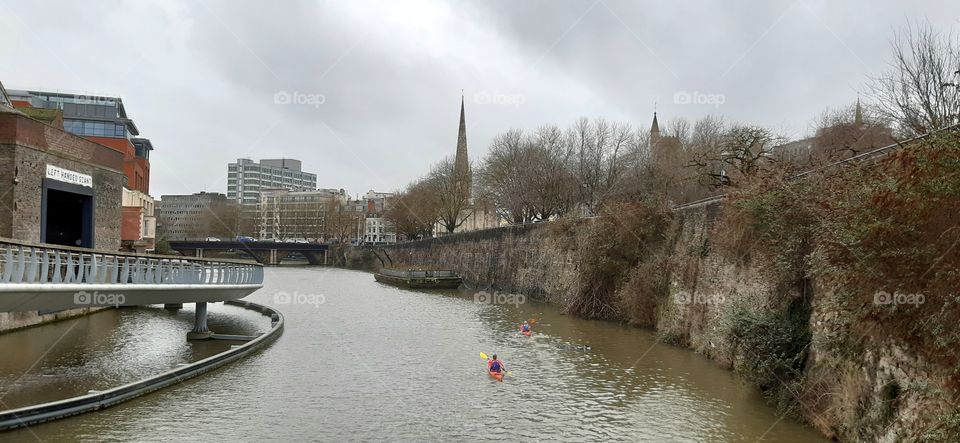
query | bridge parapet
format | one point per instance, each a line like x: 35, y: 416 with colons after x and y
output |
x: 32, y: 276
x: 265, y: 252
x: 28, y: 263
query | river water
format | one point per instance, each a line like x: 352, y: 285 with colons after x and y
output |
x: 363, y: 361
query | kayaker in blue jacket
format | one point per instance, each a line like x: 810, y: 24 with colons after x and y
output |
x: 525, y: 327
x: 495, y: 365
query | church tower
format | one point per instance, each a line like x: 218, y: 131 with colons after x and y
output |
x: 461, y: 165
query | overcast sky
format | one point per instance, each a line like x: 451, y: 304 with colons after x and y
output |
x: 367, y: 94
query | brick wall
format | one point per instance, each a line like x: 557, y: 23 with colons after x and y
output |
x: 26, y: 148
x: 130, y: 229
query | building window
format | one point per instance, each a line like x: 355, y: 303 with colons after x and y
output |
x: 95, y: 128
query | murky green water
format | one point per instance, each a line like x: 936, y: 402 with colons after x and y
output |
x: 364, y: 361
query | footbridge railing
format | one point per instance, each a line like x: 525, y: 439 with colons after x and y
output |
x: 41, y: 264
x: 30, y: 273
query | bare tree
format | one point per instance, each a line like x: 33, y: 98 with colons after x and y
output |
x: 597, y: 148
x: 705, y: 142
x: 504, y: 178
x: 636, y: 167
x: 920, y: 91
x: 452, y: 189
x: 707, y: 134
x: 678, y: 128
x: 414, y: 211
x: 553, y: 188
x: 340, y: 223
x: 743, y: 151
x: 528, y: 177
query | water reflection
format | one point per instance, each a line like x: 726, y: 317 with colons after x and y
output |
x: 106, y: 349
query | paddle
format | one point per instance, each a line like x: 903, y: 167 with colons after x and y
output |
x: 484, y: 356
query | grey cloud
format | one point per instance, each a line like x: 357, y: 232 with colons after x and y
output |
x: 200, y: 78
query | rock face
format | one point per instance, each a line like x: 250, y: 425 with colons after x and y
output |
x: 522, y: 259
x: 795, y: 343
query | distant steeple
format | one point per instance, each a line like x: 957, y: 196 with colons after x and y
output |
x: 858, y: 114
x: 654, y: 130
x: 461, y: 165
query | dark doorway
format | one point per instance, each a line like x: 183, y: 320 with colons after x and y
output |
x: 67, y: 217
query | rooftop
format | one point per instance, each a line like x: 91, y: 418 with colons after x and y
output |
x: 58, y: 99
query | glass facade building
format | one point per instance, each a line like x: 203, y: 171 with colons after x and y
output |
x: 84, y: 115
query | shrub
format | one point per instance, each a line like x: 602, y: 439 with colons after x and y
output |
x: 894, y: 228
x: 622, y: 236
x: 772, y: 346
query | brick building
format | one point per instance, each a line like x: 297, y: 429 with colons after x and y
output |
x: 104, y: 120
x: 57, y: 187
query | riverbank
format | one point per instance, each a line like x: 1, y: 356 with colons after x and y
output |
x: 742, y: 283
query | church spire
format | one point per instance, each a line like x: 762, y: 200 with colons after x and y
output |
x: 654, y: 130
x: 461, y: 165
x: 858, y: 114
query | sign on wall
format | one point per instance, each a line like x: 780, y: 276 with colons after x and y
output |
x: 68, y: 176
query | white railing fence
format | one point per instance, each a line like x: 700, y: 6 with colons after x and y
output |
x: 22, y: 263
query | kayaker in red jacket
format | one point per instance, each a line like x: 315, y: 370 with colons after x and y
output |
x: 494, y: 365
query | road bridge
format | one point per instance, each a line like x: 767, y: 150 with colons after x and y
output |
x: 265, y: 252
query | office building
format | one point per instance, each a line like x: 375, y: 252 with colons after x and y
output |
x: 196, y: 216
x: 246, y: 178
x: 302, y: 215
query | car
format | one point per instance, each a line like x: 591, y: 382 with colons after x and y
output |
x: 212, y: 239
x: 245, y: 239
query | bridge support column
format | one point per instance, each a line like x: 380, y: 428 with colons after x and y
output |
x: 200, y: 330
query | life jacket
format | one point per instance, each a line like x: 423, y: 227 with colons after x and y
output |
x: 525, y: 328
x: 494, y: 366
